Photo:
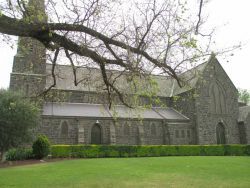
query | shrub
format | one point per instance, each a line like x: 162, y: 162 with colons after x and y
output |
x: 18, y: 115
x: 41, y: 147
x: 19, y: 154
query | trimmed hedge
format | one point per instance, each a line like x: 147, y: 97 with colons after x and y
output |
x: 96, y: 151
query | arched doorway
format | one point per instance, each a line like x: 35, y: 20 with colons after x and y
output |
x: 220, y: 134
x: 96, y: 134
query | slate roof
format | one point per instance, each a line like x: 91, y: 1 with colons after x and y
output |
x: 93, y: 80
x: 243, y: 113
x: 190, y: 77
x: 101, y: 111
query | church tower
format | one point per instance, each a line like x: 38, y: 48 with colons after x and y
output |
x: 29, y: 66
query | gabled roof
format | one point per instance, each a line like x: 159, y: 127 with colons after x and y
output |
x: 243, y: 113
x: 190, y: 79
x: 119, y: 111
x: 92, y: 80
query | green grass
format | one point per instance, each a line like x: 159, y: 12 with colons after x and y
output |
x: 132, y: 172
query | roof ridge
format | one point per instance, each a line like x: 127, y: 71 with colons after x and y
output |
x: 156, y: 75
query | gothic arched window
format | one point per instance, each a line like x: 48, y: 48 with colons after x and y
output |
x: 188, y: 133
x: 126, y: 129
x: 177, y: 134
x: 96, y: 134
x: 153, y: 129
x: 182, y: 134
x: 64, y: 129
x: 218, y: 101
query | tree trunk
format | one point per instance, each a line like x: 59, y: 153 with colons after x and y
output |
x: 2, y: 159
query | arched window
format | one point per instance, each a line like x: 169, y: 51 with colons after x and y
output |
x: 242, y: 131
x: 177, y: 134
x: 153, y: 129
x: 96, y: 134
x: 188, y: 133
x: 126, y: 129
x: 182, y: 134
x: 64, y: 129
x: 218, y: 101
x: 220, y: 134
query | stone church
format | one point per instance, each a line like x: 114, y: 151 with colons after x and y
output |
x: 205, y: 111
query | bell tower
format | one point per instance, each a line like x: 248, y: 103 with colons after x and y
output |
x: 29, y: 66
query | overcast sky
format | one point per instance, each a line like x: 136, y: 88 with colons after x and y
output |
x: 230, y: 17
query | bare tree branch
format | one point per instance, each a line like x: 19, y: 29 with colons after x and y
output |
x: 52, y: 73
x: 199, y: 18
x: 144, y: 38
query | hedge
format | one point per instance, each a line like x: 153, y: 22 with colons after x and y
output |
x: 96, y: 151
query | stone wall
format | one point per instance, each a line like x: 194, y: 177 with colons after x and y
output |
x: 208, y: 104
x: 242, y: 132
x: 247, y: 127
x: 180, y: 133
x: 134, y: 132
x: 216, y: 102
x: 185, y: 104
x: 29, y: 64
x: 121, y: 132
x: 29, y: 67
x: 51, y: 127
x: 28, y: 84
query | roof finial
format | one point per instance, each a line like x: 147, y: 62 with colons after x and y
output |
x: 213, y: 54
x: 212, y: 57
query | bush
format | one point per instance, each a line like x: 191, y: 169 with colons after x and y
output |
x: 18, y: 115
x: 95, y: 151
x: 19, y: 154
x: 41, y: 147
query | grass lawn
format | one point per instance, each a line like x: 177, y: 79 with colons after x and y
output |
x: 132, y: 172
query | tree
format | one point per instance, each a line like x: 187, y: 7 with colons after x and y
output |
x: 17, y: 118
x: 138, y: 38
x: 244, y: 95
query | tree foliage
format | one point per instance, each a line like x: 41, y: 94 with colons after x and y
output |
x: 138, y: 38
x: 244, y: 95
x: 17, y: 118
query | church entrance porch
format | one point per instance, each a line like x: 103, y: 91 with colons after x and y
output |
x: 220, y: 134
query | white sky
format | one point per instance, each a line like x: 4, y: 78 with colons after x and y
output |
x: 231, y: 17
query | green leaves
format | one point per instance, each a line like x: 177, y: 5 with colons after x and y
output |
x: 17, y: 116
x: 192, y: 43
x: 244, y: 95
x: 12, y: 106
